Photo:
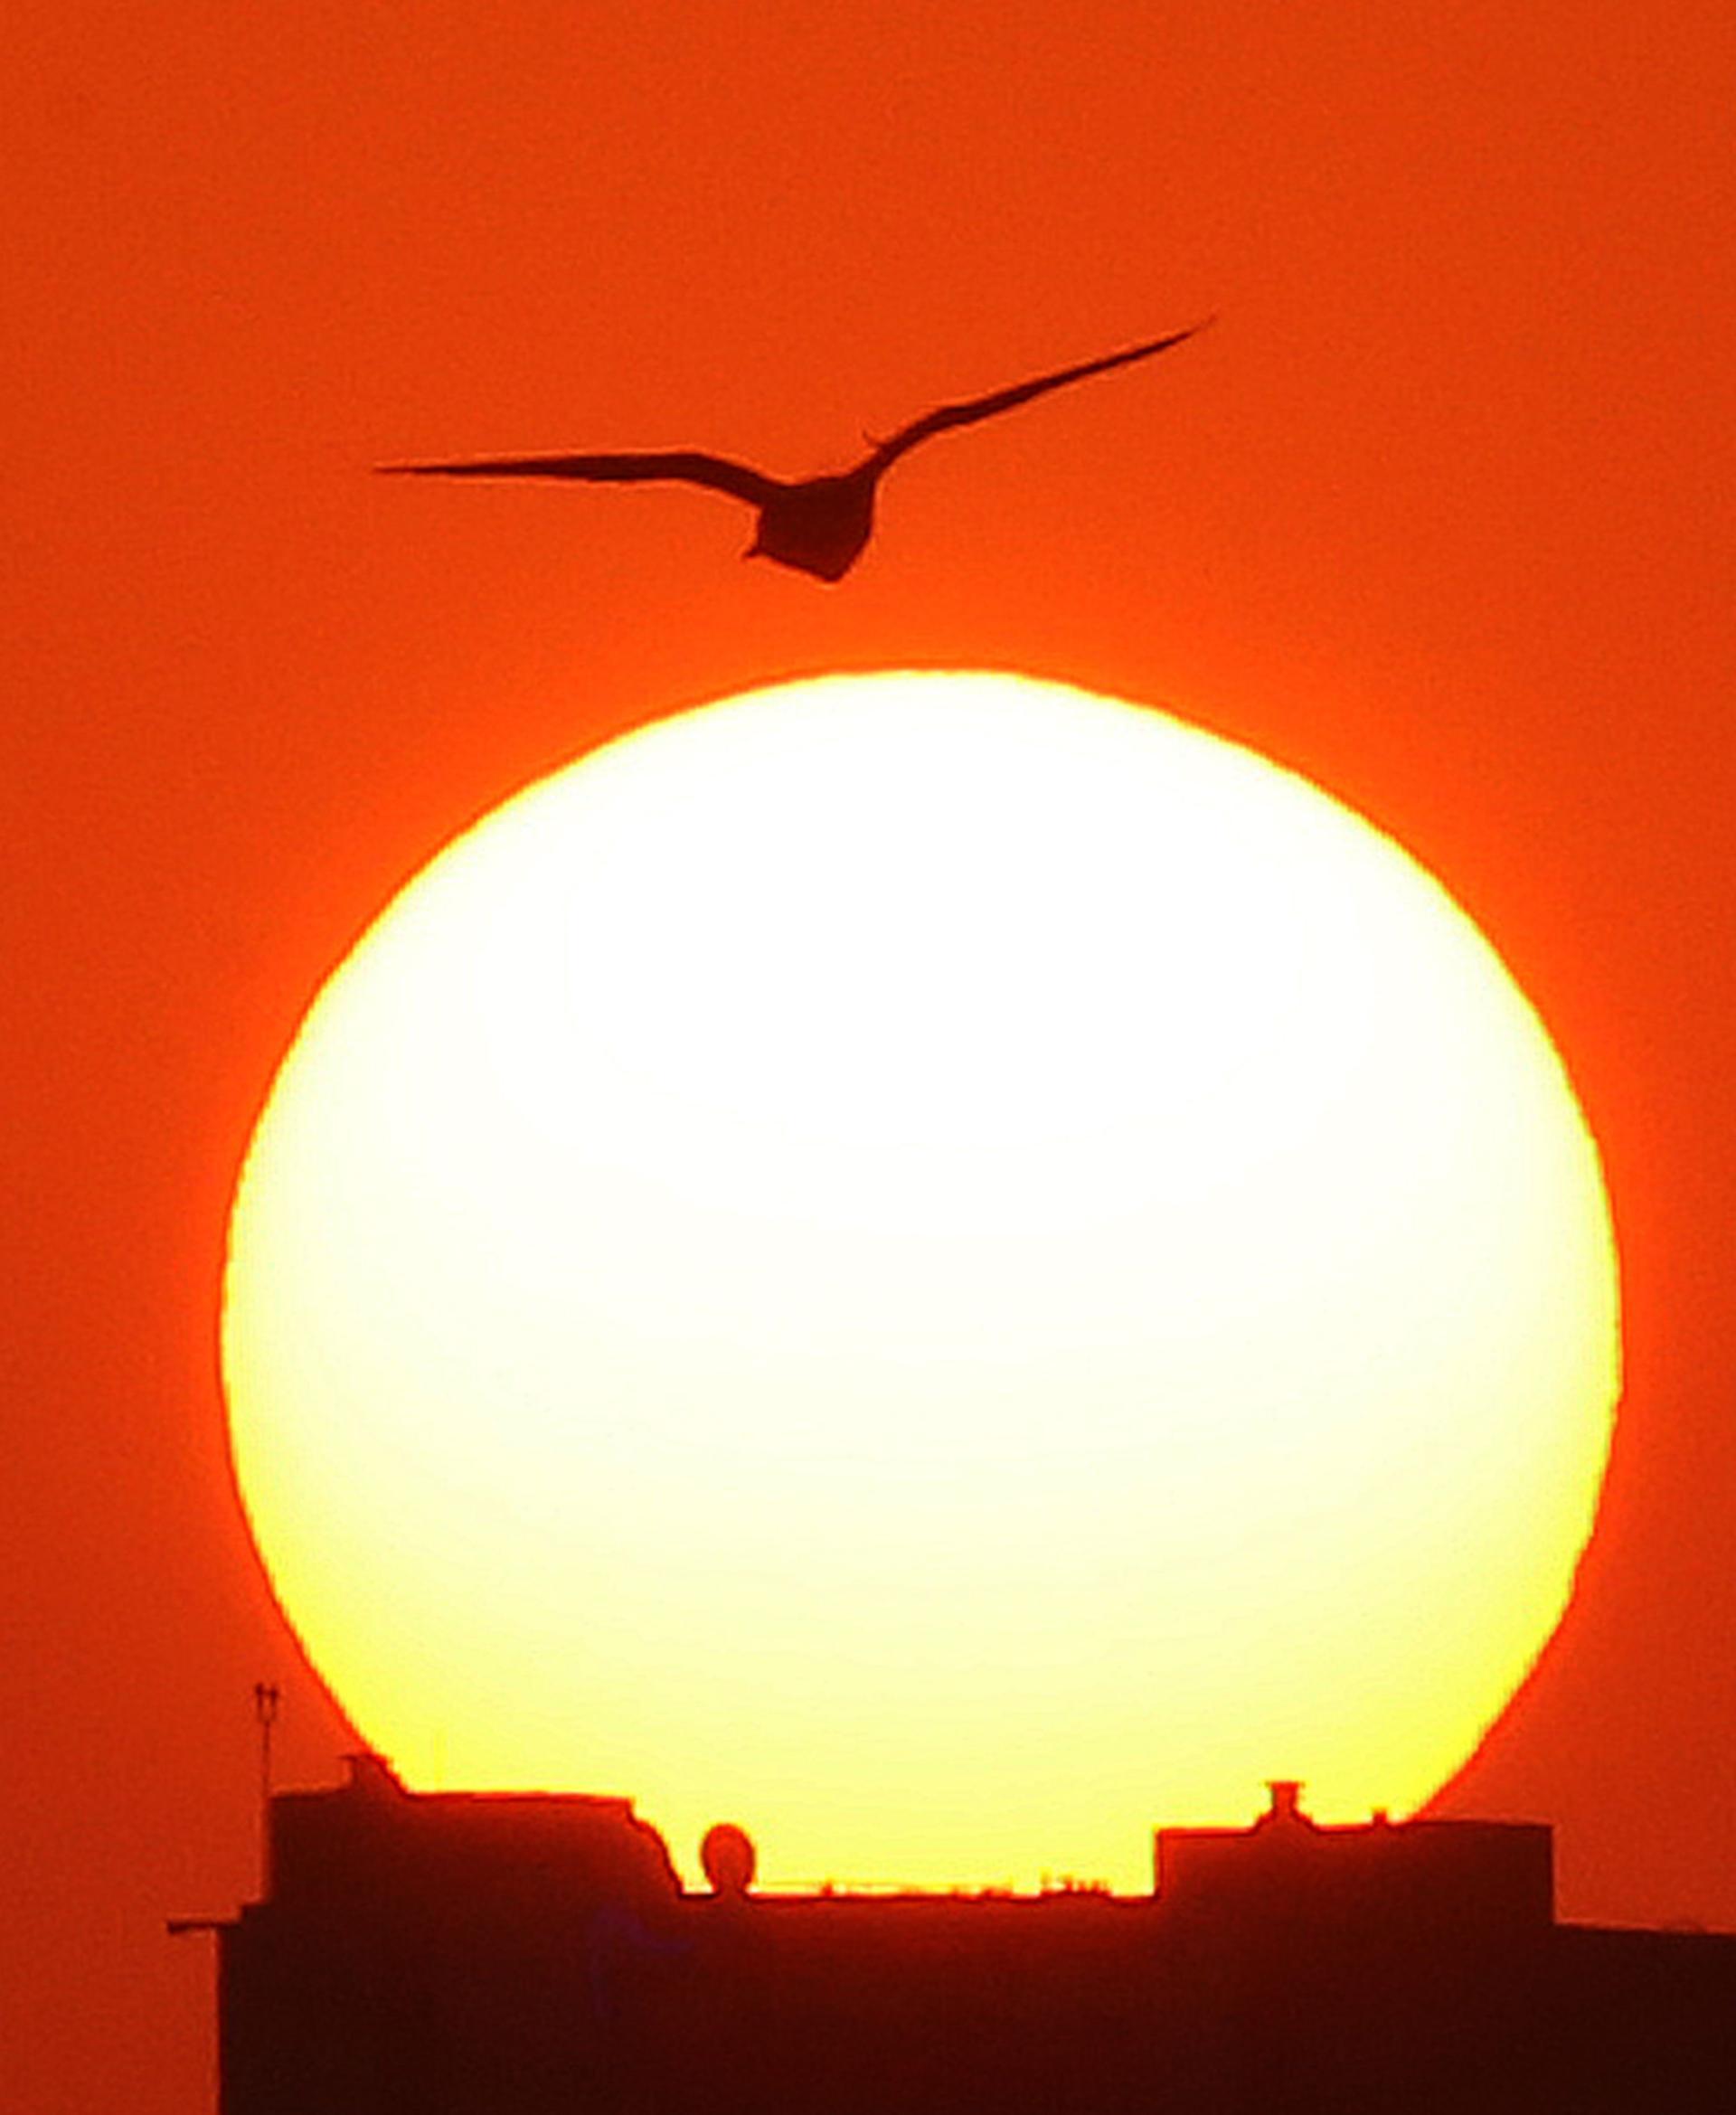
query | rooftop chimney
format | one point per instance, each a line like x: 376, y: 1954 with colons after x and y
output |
x: 1286, y: 1799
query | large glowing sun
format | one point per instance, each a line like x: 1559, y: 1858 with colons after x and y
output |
x: 934, y: 1265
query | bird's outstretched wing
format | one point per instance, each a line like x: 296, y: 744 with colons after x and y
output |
x: 1004, y: 400
x: 687, y: 465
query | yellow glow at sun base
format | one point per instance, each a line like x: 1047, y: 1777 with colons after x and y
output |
x: 934, y: 1265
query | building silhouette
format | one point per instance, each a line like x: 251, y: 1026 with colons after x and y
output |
x: 485, y: 1954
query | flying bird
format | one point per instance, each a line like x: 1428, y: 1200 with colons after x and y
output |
x: 818, y: 525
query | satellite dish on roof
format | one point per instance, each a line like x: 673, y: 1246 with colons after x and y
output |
x: 729, y: 1858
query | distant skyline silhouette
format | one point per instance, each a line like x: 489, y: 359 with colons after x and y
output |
x: 817, y: 526
x: 469, y: 1953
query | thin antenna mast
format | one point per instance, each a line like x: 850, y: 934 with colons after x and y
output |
x: 267, y: 1698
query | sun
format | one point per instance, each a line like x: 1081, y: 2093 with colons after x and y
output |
x: 934, y: 1265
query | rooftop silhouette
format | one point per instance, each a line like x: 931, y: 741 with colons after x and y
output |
x: 468, y: 1954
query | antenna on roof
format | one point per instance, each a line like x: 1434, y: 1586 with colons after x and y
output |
x: 266, y: 1699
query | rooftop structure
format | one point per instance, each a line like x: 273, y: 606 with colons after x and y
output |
x: 468, y: 1954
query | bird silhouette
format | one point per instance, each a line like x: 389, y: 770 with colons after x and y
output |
x: 818, y: 525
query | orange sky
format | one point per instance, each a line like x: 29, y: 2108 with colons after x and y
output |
x: 1440, y: 513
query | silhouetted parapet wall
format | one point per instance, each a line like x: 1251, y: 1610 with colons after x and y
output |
x: 372, y: 1840
x: 457, y: 1954
x: 446, y: 1953
x: 1493, y: 1877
